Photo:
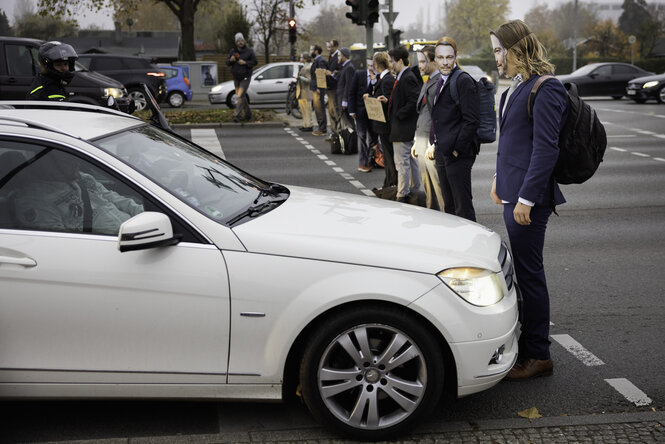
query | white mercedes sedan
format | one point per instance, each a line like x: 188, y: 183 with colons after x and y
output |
x: 135, y: 264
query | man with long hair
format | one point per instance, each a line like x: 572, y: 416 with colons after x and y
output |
x: 524, y: 183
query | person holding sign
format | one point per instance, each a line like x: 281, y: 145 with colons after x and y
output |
x: 318, y: 88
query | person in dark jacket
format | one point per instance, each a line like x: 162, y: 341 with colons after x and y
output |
x: 454, y: 128
x: 333, y: 69
x: 242, y: 61
x: 57, y: 62
x: 383, y: 87
x: 344, y: 80
x: 403, y: 118
x: 318, y: 94
x: 361, y: 84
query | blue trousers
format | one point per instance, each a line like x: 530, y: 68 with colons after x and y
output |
x: 526, y: 243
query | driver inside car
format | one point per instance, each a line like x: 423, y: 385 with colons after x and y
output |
x: 55, y: 195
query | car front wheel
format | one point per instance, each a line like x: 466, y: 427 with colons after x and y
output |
x: 661, y: 95
x: 232, y: 100
x: 371, y: 373
x: 139, y: 98
x: 176, y: 99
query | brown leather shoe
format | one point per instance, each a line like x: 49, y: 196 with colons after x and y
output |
x: 530, y: 368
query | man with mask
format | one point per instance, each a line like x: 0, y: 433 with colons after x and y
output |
x: 57, y: 62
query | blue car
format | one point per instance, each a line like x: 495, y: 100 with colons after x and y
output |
x: 178, y: 85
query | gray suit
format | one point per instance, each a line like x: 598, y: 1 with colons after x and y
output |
x: 429, y: 176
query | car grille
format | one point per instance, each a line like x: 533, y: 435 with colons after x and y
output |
x: 506, y: 261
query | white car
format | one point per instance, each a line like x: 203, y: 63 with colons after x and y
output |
x: 135, y: 264
x: 269, y: 85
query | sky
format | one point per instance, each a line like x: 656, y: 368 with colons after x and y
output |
x: 408, y: 11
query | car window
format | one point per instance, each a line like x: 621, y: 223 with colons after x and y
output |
x: 85, y: 61
x: 170, y: 72
x: 22, y: 60
x: 276, y: 72
x: 203, y: 181
x: 108, y: 64
x: 623, y: 69
x: 137, y: 64
x: 47, y: 189
x: 604, y: 70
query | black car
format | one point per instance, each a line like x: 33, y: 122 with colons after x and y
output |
x: 131, y: 71
x: 19, y: 64
x: 603, y: 79
x: 642, y: 89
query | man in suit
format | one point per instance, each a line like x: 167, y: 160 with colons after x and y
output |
x: 383, y: 87
x: 361, y: 84
x: 422, y: 149
x: 524, y: 182
x: 454, y: 127
x: 344, y: 79
x: 403, y: 117
x: 318, y: 94
x: 334, y: 66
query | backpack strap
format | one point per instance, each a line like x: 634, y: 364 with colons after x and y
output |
x: 534, y: 91
x: 453, y: 86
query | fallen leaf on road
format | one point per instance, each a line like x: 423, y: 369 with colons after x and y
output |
x: 530, y: 413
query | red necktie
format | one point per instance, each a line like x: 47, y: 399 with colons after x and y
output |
x: 390, y: 100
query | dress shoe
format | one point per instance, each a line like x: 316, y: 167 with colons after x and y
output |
x: 305, y: 129
x: 365, y: 169
x: 403, y: 199
x: 530, y: 368
x: 318, y: 133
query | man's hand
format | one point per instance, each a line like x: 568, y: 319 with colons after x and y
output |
x: 383, y: 99
x: 413, y: 152
x: 242, y: 62
x: 522, y: 214
x: 493, y: 194
x: 430, y: 152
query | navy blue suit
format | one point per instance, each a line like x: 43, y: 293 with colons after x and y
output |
x: 358, y: 87
x: 528, y: 151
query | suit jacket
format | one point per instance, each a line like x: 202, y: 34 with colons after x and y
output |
x: 333, y: 65
x: 318, y: 62
x: 344, y: 80
x: 402, y: 107
x: 528, y: 150
x: 455, y: 126
x: 357, y: 89
x: 424, y: 105
x: 383, y: 87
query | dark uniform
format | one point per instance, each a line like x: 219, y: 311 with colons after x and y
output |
x: 50, y: 83
x: 46, y: 88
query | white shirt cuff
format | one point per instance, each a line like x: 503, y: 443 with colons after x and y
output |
x: 526, y: 202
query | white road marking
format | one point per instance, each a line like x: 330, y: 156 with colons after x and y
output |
x: 629, y: 391
x: 622, y: 136
x: 618, y: 149
x: 574, y: 347
x: 635, y: 153
x: 207, y: 138
x: 352, y: 180
x: 660, y: 159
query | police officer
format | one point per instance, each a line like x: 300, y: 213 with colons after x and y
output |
x: 57, y: 60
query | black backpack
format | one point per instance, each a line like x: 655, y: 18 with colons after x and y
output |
x: 487, y: 129
x: 582, y: 141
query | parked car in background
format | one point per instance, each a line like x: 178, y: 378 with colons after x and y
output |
x: 197, y: 280
x: 131, y: 71
x: 19, y: 64
x: 476, y: 72
x: 642, y: 89
x: 269, y: 85
x: 178, y: 85
x: 603, y: 79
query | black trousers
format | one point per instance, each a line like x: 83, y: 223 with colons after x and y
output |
x: 388, y: 160
x: 455, y: 180
x: 526, y: 243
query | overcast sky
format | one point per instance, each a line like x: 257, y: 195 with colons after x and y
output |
x: 408, y: 11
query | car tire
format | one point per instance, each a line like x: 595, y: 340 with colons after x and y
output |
x: 231, y: 100
x: 176, y: 99
x: 383, y: 360
x: 139, y: 97
x: 617, y: 97
x: 661, y: 95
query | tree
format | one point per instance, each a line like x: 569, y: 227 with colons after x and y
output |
x: 270, y: 18
x: 469, y: 22
x: 236, y: 21
x: 5, y: 29
x: 331, y: 23
x: 27, y: 23
x: 608, y: 40
x: 184, y: 10
x: 638, y: 21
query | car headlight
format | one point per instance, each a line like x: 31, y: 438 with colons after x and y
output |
x: 650, y: 84
x: 112, y: 92
x: 477, y: 286
x: 216, y: 88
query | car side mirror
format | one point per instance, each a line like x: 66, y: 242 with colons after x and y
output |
x: 146, y: 230
x: 260, y: 77
x: 593, y: 75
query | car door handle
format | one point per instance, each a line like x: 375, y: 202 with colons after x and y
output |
x: 279, y: 81
x: 24, y: 261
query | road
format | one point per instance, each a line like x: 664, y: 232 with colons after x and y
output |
x: 604, y: 257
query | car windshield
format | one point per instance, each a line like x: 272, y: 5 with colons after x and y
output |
x: 205, y: 182
x: 586, y: 69
x: 79, y: 67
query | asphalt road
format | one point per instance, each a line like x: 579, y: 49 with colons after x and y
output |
x: 604, y: 257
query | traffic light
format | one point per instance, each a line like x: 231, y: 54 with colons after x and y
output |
x: 293, y: 35
x: 372, y: 15
x: 358, y: 14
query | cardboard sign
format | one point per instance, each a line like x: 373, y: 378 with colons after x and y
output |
x: 374, y: 109
x: 321, y: 78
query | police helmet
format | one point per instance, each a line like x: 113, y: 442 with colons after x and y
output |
x: 49, y: 52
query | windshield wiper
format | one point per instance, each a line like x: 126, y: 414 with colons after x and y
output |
x: 256, y: 210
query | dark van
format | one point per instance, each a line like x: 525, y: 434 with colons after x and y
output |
x: 19, y: 63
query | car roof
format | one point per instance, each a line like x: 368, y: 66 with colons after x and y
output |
x: 76, y: 120
x: 21, y: 39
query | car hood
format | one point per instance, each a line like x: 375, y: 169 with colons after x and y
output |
x: 332, y: 226
x: 658, y: 77
x: 87, y: 78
